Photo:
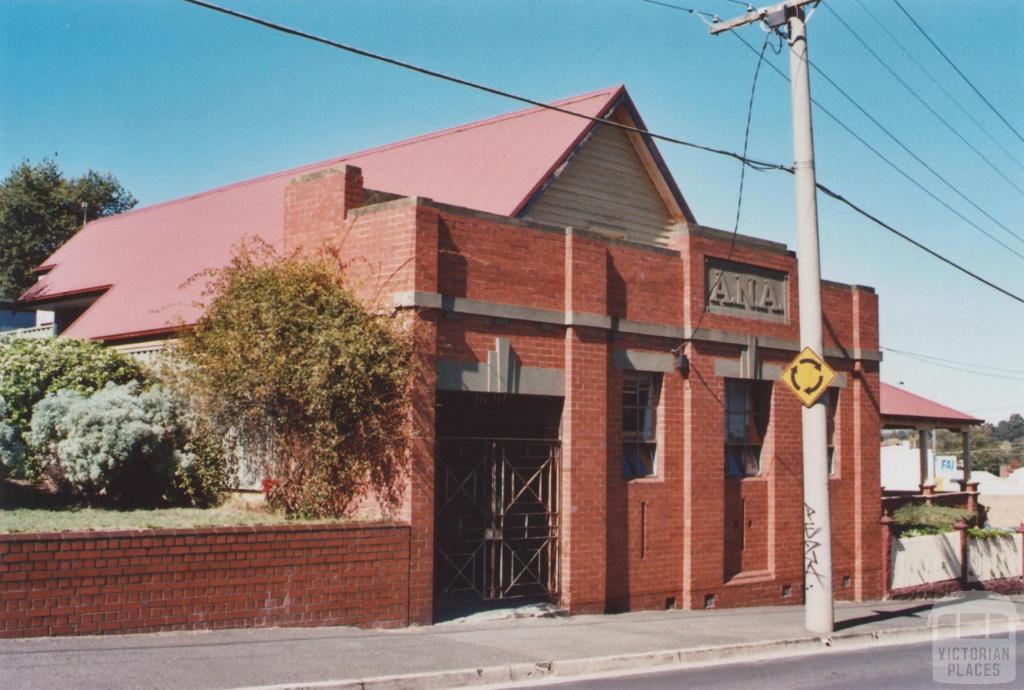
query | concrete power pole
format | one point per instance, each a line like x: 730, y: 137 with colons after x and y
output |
x: 818, y: 601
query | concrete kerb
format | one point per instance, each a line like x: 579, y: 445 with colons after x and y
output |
x: 503, y: 674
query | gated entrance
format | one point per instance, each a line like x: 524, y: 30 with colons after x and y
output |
x: 496, y: 502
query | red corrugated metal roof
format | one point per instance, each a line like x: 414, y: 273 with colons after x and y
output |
x: 896, y: 402
x: 146, y: 255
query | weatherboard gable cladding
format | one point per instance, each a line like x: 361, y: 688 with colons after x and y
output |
x: 604, y: 186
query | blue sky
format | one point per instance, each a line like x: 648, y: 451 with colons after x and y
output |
x: 174, y: 99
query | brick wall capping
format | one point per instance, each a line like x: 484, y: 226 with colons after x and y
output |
x: 426, y: 202
x: 341, y: 169
x: 848, y: 286
x: 759, y: 244
x: 704, y: 232
x: 199, y: 531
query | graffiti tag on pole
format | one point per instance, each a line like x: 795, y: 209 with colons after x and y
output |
x: 811, y: 544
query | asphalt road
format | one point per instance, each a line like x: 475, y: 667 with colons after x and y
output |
x: 905, y: 667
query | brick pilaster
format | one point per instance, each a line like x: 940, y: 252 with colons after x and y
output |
x: 420, y: 506
x: 584, y: 430
x: 866, y: 456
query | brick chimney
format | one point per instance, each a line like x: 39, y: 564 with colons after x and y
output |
x: 315, y: 206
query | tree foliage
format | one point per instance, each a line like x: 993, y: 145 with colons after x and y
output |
x: 287, y: 361
x: 204, y: 477
x: 1010, y: 429
x: 992, y: 445
x: 40, y: 209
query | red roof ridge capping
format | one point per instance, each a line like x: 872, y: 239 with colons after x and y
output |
x: 897, y: 402
x: 611, y: 92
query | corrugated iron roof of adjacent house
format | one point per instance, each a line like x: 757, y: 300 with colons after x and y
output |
x: 898, y: 405
x: 128, y: 272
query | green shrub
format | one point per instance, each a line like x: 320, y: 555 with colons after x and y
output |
x: 120, y: 445
x: 202, y: 479
x: 915, y: 519
x: 32, y: 368
x: 988, y: 532
x: 288, y: 363
x: 12, y: 451
x: 921, y: 531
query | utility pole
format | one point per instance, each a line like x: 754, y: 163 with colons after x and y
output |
x: 818, y: 602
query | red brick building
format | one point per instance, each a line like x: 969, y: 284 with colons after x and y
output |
x: 595, y: 413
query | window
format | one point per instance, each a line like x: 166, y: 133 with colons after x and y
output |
x: 639, y: 426
x: 831, y: 398
x: 747, y: 410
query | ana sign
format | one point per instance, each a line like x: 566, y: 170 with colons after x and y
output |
x: 743, y: 290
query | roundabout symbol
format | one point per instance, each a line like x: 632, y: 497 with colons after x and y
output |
x: 808, y: 377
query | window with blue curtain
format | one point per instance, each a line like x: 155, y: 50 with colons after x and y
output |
x: 639, y: 424
x: 747, y: 411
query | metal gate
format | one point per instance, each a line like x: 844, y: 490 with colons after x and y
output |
x: 496, y: 519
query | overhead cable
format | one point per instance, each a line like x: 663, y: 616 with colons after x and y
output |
x: 953, y: 188
x: 885, y: 159
x: 757, y: 165
x: 743, y: 171
x: 922, y: 101
x: 877, y: 221
x: 764, y: 165
x: 966, y: 370
x: 938, y: 84
x: 958, y: 71
x: 974, y: 365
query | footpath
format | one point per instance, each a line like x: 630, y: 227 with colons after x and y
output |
x: 481, y: 650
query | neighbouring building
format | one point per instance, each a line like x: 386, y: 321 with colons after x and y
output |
x: 12, y: 318
x: 596, y: 415
x: 915, y: 470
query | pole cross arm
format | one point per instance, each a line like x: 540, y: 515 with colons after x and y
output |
x: 780, y: 10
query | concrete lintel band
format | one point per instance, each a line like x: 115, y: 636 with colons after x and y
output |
x: 502, y: 373
x: 644, y: 360
x: 461, y: 305
x: 476, y: 377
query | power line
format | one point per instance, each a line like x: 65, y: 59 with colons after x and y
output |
x: 709, y: 15
x: 957, y: 69
x: 937, y: 83
x: 757, y: 165
x: 746, y: 135
x: 973, y: 372
x: 940, y: 257
x: 883, y: 157
x: 953, y: 361
x: 913, y: 155
x: 743, y: 171
x: 835, y: 118
x: 921, y: 100
x: 762, y: 165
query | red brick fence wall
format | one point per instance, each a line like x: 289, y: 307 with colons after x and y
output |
x: 81, y: 583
